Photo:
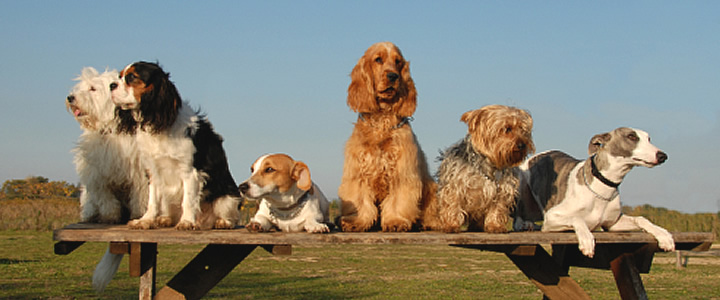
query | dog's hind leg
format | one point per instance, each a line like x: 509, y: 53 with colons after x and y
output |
x: 226, y: 210
x: 99, y: 203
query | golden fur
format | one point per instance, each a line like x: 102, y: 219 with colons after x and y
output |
x: 385, y: 173
x: 477, y: 182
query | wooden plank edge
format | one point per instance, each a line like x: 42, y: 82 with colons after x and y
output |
x: 120, y: 233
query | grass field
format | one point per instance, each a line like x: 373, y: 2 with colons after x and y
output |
x: 29, y: 269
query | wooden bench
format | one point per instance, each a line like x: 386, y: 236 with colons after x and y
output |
x: 627, y: 254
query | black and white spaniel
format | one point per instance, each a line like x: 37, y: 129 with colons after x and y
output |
x: 190, y: 183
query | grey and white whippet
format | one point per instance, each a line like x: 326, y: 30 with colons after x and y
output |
x: 582, y: 195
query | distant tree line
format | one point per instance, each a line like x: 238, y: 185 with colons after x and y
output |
x: 37, y: 187
x: 673, y: 220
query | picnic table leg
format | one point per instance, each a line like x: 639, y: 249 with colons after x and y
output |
x: 626, y: 261
x: 142, y: 263
x: 204, y: 271
x: 627, y: 268
x: 550, y: 277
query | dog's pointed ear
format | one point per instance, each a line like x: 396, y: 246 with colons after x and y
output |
x: 361, y: 94
x: 597, y: 142
x: 301, y: 174
x: 471, y: 118
x: 409, y: 101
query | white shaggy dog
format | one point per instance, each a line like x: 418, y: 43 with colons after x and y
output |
x: 114, y: 185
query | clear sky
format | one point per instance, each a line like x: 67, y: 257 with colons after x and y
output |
x: 272, y: 76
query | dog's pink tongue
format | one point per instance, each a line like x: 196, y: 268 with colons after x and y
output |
x: 76, y: 112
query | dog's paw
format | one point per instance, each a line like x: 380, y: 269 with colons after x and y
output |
x: 317, y: 228
x: 396, y: 226
x: 350, y: 224
x: 254, y: 227
x: 164, y: 221
x: 495, y: 228
x: 186, y: 225
x: 666, y: 242
x: 223, y: 224
x: 142, y: 224
x: 586, y: 244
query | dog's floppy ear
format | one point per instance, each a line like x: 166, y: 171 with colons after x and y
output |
x: 409, y: 94
x: 361, y: 94
x: 597, y: 142
x: 301, y: 174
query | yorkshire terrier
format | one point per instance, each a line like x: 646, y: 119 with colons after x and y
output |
x: 477, y: 182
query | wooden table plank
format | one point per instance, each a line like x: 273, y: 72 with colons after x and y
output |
x: 120, y: 233
x: 626, y: 253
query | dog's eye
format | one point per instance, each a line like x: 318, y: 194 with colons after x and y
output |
x: 269, y: 170
x: 508, y: 129
x: 129, y: 78
x: 252, y: 170
x: 398, y: 62
x: 633, y: 137
x: 379, y: 60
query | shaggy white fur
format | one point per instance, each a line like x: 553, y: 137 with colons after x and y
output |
x: 113, y: 181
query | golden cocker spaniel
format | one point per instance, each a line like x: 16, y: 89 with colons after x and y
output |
x: 385, y: 173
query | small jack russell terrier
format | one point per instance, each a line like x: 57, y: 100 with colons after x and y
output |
x: 289, y: 200
x: 583, y: 195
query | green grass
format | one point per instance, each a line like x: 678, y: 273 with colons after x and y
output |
x: 29, y: 269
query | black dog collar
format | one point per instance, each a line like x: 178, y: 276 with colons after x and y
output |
x: 599, y: 176
x: 403, y: 120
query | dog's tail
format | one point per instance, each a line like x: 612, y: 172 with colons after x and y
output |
x: 105, y: 270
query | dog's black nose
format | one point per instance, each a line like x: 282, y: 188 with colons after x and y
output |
x: 661, y: 157
x: 113, y: 86
x: 244, y: 187
x: 392, y: 76
x: 71, y: 99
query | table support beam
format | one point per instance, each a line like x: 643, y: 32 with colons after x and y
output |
x: 204, y: 271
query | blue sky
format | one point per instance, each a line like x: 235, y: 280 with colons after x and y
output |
x: 272, y: 76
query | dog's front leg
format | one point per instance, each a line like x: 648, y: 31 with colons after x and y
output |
x: 259, y: 223
x: 359, y: 212
x: 190, y: 202
x: 147, y: 221
x: 401, y: 208
x: 313, y: 216
x: 628, y: 223
x: 313, y: 226
x: 586, y: 240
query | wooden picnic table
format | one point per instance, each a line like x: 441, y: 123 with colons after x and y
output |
x: 627, y: 254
